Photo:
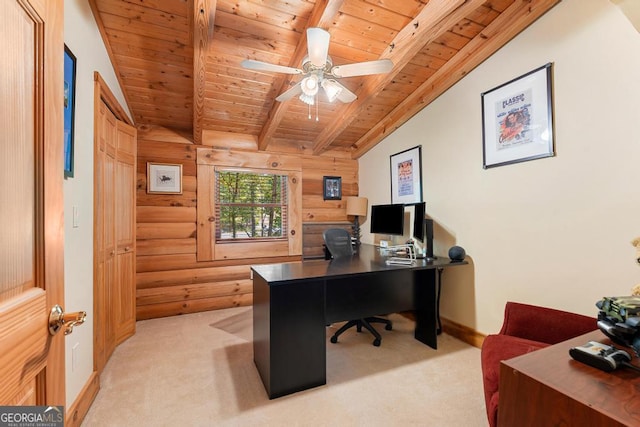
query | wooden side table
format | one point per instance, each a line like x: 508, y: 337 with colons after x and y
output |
x: 548, y: 388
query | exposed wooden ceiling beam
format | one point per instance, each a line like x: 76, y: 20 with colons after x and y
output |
x: 323, y: 12
x: 435, y: 18
x: 510, y: 23
x: 204, y: 12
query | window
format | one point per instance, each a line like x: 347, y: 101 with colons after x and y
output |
x: 250, y: 206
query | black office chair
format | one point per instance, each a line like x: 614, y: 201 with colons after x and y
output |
x: 338, y: 243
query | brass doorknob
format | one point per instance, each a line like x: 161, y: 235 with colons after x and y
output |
x: 58, y: 319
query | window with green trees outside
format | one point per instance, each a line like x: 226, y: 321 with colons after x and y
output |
x: 250, y: 206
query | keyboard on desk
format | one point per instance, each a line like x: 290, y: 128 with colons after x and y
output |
x: 399, y: 260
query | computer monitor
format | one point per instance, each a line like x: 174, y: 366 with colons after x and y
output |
x: 423, y: 232
x: 387, y: 219
x: 418, y: 221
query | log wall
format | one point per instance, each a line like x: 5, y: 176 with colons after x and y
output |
x: 169, y: 279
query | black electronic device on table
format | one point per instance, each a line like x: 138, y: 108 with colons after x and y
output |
x: 618, y: 319
x: 423, y: 229
x: 387, y: 219
x: 418, y: 221
x: 601, y: 356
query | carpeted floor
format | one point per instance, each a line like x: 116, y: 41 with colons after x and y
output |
x: 197, y: 370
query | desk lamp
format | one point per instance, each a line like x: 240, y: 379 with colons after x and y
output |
x: 357, y: 207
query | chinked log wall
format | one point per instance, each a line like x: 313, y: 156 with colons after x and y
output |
x: 169, y: 279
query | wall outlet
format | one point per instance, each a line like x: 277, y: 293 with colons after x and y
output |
x: 76, y: 217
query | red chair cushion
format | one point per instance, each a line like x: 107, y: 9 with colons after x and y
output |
x: 495, y: 349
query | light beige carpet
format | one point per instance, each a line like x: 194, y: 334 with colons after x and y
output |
x: 198, y: 370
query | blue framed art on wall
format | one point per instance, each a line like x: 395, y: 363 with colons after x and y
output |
x: 69, y: 109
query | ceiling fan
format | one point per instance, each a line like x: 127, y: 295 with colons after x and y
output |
x: 319, y: 72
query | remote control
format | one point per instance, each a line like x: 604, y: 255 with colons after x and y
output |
x: 601, y: 356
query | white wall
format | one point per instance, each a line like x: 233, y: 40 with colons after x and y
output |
x: 81, y: 35
x: 554, y: 231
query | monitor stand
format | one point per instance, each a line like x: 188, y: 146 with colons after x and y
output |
x: 424, y: 250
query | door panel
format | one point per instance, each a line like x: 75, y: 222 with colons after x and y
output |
x: 31, y: 201
x: 17, y: 245
x: 125, y: 230
x: 109, y: 247
x: 105, y: 250
x: 115, y: 192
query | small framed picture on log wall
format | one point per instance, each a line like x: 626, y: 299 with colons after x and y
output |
x: 164, y: 178
x: 332, y: 187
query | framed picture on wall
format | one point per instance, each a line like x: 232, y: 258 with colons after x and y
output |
x: 164, y: 178
x: 332, y: 187
x: 406, y: 176
x: 69, y: 109
x: 517, y: 120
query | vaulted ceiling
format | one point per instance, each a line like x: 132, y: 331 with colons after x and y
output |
x: 178, y: 62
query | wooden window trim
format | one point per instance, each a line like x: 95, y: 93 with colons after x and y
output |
x: 210, y: 158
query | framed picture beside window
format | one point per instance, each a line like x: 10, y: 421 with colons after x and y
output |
x: 164, y: 178
x: 332, y: 186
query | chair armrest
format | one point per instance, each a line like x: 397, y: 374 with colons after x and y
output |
x: 496, y: 348
x: 544, y: 324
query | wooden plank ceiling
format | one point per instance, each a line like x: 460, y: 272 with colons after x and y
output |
x: 178, y: 62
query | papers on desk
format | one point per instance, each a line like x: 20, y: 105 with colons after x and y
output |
x: 399, y: 254
x: 399, y: 261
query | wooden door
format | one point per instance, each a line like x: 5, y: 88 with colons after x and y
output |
x: 105, y: 251
x: 31, y: 201
x: 115, y: 254
x: 125, y: 231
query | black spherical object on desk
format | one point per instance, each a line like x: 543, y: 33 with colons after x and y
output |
x: 457, y: 253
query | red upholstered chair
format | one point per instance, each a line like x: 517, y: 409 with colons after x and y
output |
x: 526, y: 328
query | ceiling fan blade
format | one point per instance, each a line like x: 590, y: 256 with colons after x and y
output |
x: 252, y: 64
x: 318, y: 46
x: 290, y: 93
x: 363, y: 68
x: 346, y: 95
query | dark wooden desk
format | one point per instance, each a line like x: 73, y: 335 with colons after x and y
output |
x: 294, y: 302
x: 548, y: 388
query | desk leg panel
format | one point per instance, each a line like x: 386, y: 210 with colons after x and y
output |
x: 425, y: 307
x: 289, y: 336
x: 261, y: 330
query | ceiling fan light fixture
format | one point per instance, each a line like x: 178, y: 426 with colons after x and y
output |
x: 307, y: 99
x: 318, y: 70
x: 331, y: 88
x: 317, y: 46
x: 310, y: 85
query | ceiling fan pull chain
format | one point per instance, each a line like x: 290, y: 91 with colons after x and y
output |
x: 317, y: 119
x: 309, y: 106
